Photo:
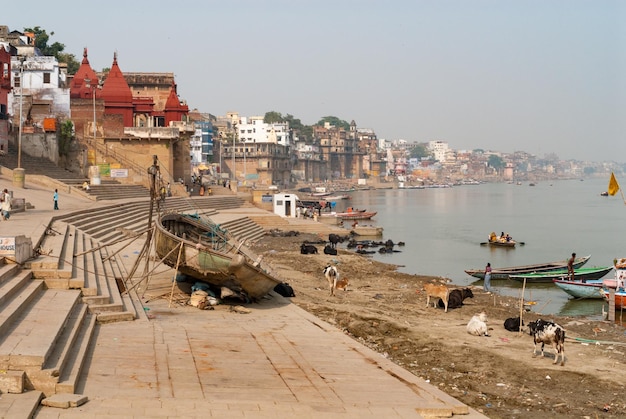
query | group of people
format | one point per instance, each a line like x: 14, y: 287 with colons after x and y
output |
x: 502, y: 237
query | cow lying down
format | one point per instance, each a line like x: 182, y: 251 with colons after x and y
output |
x: 545, y: 331
x: 477, y: 325
x: 456, y: 297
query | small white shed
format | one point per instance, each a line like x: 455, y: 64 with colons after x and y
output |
x: 285, y: 204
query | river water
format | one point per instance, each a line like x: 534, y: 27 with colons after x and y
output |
x: 443, y: 228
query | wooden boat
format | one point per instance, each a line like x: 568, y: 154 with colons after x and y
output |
x: 504, y: 273
x: 620, y: 297
x: 580, y: 274
x: 367, y: 231
x: 356, y: 215
x: 617, y: 284
x: 210, y: 255
x: 336, y: 197
x: 589, y: 289
x: 502, y: 243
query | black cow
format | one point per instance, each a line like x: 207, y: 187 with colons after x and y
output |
x: 334, y: 239
x: 285, y: 290
x: 308, y: 249
x: 329, y: 250
x: 545, y: 331
x: 456, y: 297
x: 512, y: 324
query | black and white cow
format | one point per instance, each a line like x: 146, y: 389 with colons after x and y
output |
x: 331, y: 273
x: 456, y: 297
x: 308, y: 249
x: 545, y: 331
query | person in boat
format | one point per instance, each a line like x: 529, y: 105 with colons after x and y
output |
x: 502, y: 237
x: 492, y: 236
x: 507, y: 237
x: 570, y: 267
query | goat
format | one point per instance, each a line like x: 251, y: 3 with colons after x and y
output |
x: 545, y: 331
x: 455, y: 300
x: 435, y: 290
x: 478, y: 325
x: 308, y: 249
x: 332, y: 276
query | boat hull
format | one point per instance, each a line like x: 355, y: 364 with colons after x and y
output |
x: 497, y: 243
x: 580, y: 274
x: 207, y: 258
x: 357, y: 215
x: 505, y: 273
x: 589, y: 289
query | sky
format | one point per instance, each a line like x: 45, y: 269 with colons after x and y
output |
x: 539, y: 76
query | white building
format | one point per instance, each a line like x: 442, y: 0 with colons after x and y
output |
x: 254, y: 130
x: 440, y: 149
x: 40, y: 83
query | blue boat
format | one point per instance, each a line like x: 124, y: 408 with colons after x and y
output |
x: 589, y: 289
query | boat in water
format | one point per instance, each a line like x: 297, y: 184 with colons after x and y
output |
x: 577, y: 289
x: 580, y: 274
x: 616, y: 285
x: 200, y: 249
x: 355, y: 215
x: 505, y: 273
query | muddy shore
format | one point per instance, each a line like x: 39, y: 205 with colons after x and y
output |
x: 497, y: 375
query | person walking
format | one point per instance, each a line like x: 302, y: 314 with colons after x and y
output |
x: 55, y: 197
x: 487, y: 283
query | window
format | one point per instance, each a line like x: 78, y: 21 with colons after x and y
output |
x: 17, y: 81
x: 46, y: 78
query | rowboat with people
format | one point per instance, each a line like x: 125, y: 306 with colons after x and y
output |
x: 505, y: 273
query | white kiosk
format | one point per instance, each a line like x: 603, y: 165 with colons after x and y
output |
x: 285, y: 204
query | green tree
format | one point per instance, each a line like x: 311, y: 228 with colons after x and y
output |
x: 419, y: 151
x: 55, y: 50
x: 273, y: 117
x: 495, y: 161
x: 333, y: 120
x: 65, y: 137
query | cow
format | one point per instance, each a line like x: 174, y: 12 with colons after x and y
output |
x: 332, y: 276
x: 308, y: 249
x: 512, y: 324
x: 436, y: 290
x: 285, y: 290
x: 334, y: 239
x: 456, y: 297
x: 478, y: 325
x: 329, y: 250
x: 545, y: 331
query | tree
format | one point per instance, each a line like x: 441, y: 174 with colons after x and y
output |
x: 273, y: 117
x: 419, y: 151
x: 495, y: 161
x: 333, y: 120
x: 54, y: 50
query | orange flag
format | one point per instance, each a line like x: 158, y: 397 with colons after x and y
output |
x: 613, y: 185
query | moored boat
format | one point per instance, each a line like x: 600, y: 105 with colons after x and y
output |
x: 616, y: 285
x: 356, y: 215
x: 589, y: 289
x: 504, y: 273
x: 580, y: 274
x: 366, y: 230
x: 197, y: 248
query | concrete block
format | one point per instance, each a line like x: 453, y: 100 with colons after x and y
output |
x: 65, y: 400
x: 12, y: 381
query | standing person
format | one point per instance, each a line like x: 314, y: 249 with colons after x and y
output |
x: 5, y: 205
x: 487, y: 284
x: 55, y: 197
x: 570, y: 267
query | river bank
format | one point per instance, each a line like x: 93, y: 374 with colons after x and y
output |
x: 497, y: 375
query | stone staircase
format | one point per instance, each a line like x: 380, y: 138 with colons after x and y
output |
x: 38, y: 166
x: 51, y: 307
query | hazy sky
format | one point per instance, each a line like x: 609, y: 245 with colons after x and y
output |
x: 539, y: 76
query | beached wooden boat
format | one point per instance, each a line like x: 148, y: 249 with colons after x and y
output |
x: 504, y: 273
x: 580, y: 274
x: 209, y: 255
x: 590, y: 289
x: 355, y: 215
x: 367, y: 231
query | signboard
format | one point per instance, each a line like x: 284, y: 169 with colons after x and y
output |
x: 7, y: 246
x: 105, y: 169
x: 119, y: 173
x: 267, y: 198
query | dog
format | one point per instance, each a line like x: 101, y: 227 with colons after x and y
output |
x: 439, y: 291
x: 342, y: 284
x: 332, y: 276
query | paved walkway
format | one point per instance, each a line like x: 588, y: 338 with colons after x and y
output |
x: 277, y: 360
